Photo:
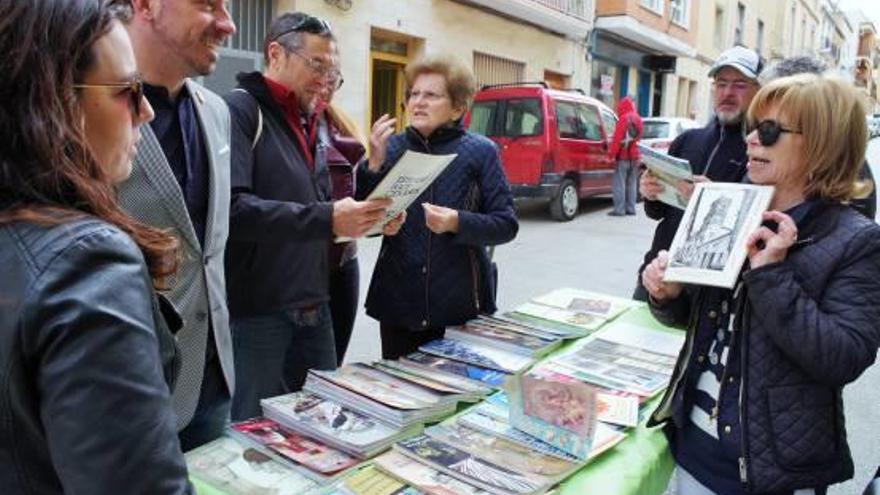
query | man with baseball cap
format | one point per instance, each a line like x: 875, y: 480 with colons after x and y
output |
x: 716, y: 152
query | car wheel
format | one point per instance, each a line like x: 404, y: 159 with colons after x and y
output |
x: 564, y: 206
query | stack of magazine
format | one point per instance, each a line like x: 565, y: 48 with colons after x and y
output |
x: 334, y: 424
x: 381, y: 395
x: 572, y: 313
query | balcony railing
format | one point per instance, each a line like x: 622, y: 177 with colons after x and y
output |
x: 574, y: 8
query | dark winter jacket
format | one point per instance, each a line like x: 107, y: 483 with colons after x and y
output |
x: 809, y: 324
x: 84, y: 403
x: 626, y: 114
x: 426, y: 280
x: 281, y: 216
x: 716, y: 151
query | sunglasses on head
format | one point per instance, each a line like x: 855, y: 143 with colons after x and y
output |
x: 135, y: 89
x: 770, y: 130
x: 306, y: 24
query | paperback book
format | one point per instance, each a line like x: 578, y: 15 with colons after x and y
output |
x: 372, y: 481
x: 581, y: 301
x: 235, y: 469
x: 479, y: 376
x: 478, y: 354
x: 469, y: 468
x: 619, y: 408
x: 580, y: 323
x: 319, y: 462
x: 423, y: 477
x: 498, y: 338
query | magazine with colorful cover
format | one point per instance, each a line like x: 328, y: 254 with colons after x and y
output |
x: 499, y: 338
x: 582, y: 301
x: 333, y: 423
x: 353, y: 378
x: 235, y: 469
x: 480, y: 355
x: 503, y: 452
x: 533, y: 326
x: 435, y: 382
x: 323, y: 462
x: 669, y: 170
x: 466, y: 467
x: 611, y: 407
x: 562, y: 414
x: 423, y: 477
x: 477, y: 375
x: 511, y: 326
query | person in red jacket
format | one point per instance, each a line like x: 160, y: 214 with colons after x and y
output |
x: 625, y: 152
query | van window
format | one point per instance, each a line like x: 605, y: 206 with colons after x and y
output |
x: 483, y: 118
x: 609, y: 120
x: 590, y: 123
x: 567, y: 120
x: 656, y: 129
x: 523, y: 118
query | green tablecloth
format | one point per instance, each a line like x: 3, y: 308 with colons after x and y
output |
x: 639, y: 465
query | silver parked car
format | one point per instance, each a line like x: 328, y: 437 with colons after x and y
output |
x: 660, y: 131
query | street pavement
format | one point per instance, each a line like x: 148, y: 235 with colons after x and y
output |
x: 601, y: 253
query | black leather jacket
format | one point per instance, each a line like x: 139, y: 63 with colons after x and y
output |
x: 84, y: 406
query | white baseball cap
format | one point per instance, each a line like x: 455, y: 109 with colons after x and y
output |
x: 740, y: 58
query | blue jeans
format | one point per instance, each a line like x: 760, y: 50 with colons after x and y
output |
x: 274, y: 352
x: 625, y: 186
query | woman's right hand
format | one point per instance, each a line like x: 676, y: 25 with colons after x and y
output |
x: 652, y: 279
x: 381, y: 132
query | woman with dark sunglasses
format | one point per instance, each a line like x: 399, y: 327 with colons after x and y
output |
x: 84, y: 349
x: 755, y: 405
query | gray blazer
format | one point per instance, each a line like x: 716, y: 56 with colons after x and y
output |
x: 153, y: 196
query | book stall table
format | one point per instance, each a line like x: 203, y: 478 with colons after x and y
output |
x: 640, y: 464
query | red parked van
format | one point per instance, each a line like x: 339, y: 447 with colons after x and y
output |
x: 554, y: 143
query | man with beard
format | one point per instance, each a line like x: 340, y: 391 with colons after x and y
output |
x: 716, y: 152
x: 181, y: 182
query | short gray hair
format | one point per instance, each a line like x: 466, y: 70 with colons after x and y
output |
x: 789, y: 66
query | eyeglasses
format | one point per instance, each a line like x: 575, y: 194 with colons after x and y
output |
x: 327, y: 71
x: 427, y: 95
x: 737, y: 86
x: 307, y: 24
x: 135, y: 89
x: 770, y: 130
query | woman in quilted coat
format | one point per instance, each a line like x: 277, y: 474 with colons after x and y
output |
x: 755, y: 404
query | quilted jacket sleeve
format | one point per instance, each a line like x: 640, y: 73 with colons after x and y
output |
x: 103, y: 401
x: 833, y: 338
x: 495, y: 222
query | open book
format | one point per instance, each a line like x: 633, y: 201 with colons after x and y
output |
x: 405, y: 182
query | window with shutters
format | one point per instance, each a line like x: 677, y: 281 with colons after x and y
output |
x: 490, y: 69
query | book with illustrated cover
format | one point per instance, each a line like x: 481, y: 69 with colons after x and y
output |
x: 581, y: 323
x: 437, y: 383
x: 354, y: 378
x: 235, y: 469
x: 511, y: 326
x: 322, y: 463
x: 478, y: 354
x: 423, y: 477
x: 466, y: 467
x: 669, y: 170
x: 503, y: 452
x: 408, y: 178
x: 619, y: 408
x: 709, y: 247
x: 498, y: 338
x: 333, y: 423
x: 532, y: 325
x: 478, y: 375
x: 561, y: 413
x: 581, y: 301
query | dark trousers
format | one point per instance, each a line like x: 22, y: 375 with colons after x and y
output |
x: 212, y: 412
x: 399, y: 341
x: 344, y: 291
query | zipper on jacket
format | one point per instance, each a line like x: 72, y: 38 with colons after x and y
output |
x: 476, y: 279
x: 743, y: 460
x: 714, y: 151
x: 669, y: 396
x: 427, y: 269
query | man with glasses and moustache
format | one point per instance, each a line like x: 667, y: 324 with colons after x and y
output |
x: 716, y: 152
x: 282, y: 215
x: 180, y: 182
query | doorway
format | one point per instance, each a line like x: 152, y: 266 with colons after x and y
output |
x: 389, y: 54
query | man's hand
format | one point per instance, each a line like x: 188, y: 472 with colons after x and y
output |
x: 652, y: 279
x: 765, y: 246
x: 382, y: 130
x: 440, y: 219
x: 354, y: 218
x: 393, y: 227
x: 649, y: 186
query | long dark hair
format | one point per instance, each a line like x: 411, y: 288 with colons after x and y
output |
x: 47, y: 173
